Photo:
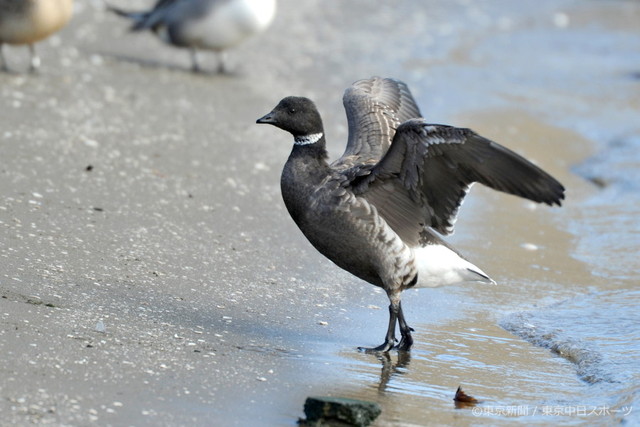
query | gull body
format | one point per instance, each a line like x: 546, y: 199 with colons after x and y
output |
x: 215, y: 25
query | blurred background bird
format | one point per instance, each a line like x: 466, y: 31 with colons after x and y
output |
x: 29, y: 21
x: 214, y: 25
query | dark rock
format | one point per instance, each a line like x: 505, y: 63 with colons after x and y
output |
x: 339, y: 411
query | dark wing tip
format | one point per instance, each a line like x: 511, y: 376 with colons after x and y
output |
x: 446, y: 160
x: 559, y: 194
x: 504, y: 170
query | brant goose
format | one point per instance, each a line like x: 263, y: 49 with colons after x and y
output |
x: 29, y: 21
x: 376, y: 210
x: 204, y: 24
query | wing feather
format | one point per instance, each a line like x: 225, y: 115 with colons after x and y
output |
x: 431, y: 167
x: 375, y: 107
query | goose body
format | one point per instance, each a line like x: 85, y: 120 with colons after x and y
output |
x: 376, y: 210
x: 337, y: 222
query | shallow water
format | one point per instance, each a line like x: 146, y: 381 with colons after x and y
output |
x: 597, y: 332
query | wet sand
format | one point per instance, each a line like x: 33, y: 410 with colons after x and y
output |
x: 150, y: 273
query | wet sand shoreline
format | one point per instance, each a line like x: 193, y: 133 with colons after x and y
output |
x: 214, y: 306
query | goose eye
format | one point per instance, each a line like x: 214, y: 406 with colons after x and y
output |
x: 292, y: 110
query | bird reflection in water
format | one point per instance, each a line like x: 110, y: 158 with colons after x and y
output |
x: 390, y: 368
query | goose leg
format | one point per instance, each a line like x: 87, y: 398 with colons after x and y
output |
x: 390, y: 338
x: 405, y: 330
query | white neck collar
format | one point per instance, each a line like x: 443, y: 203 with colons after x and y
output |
x: 308, y: 139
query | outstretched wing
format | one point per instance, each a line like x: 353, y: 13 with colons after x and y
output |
x: 426, y: 173
x: 375, y: 108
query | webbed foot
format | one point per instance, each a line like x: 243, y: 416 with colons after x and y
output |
x: 406, y: 342
x: 383, y: 348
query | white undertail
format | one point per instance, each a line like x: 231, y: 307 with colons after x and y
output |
x: 440, y: 266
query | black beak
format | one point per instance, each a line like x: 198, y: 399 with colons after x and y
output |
x: 267, y: 119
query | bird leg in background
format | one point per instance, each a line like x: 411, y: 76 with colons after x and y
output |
x: 35, y: 59
x: 222, y: 63
x: 3, y: 62
x: 195, y: 65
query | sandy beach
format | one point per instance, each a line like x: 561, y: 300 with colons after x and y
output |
x: 150, y: 274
